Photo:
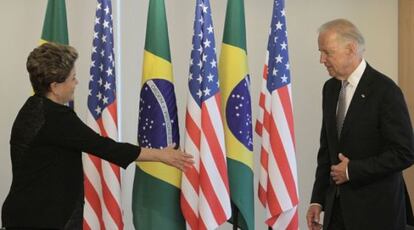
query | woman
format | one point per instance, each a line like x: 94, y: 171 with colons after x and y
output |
x: 47, y: 141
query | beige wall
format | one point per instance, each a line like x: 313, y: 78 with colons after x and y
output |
x: 406, y: 68
x: 21, y: 23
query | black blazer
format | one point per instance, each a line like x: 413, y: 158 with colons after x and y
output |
x: 377, y: 137
x: 46, y: 144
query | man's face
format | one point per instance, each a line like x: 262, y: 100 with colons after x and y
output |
x: 335, y: 55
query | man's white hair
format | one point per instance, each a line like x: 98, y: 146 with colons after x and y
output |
x: 346, y: 31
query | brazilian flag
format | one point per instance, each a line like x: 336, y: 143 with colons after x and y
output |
x: 237, y: 111
x: 156, y: 192
x: 55, y: 27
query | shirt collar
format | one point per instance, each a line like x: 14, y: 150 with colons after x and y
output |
x: 355, y: 76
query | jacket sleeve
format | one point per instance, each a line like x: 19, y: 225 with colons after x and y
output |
x: 322, y: 178
x: 68, y: 131
x: 397, y: 137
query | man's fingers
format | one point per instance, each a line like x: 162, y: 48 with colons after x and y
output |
x: 310, y: 218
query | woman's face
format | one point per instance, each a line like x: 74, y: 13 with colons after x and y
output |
x: 65, y: 90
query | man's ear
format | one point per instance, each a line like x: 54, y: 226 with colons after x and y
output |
x: 352, y: 48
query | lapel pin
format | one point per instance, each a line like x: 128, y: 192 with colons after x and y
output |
x: 363, y: 95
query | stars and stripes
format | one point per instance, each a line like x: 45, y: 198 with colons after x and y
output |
x: 205, y: 200
x: 102, y: 179
x: 278, y: 175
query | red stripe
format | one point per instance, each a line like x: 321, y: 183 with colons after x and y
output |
x: 188, y: 213
x: 193, y: 130
x: 262, y: 100
x: 194, y: 134
x: 266, y: 122
x: 264, y: 158
x: 214, y: 144
x: 259, y: 128
x: 217, y: 97
x: 271, y: 221
x: 112, y: 110
x: 279, y: 154
x: 92, y: 197
x: 211, y: 196
x: 193, y: 178
x: 264, y: 162
x: 101, y: 127
x: 265, y: 72
x: 294, y: 223
x: 86, y: 225
x: 96, y: 161
x: 272, y: 202
x: 117, y: 172
x: 112, y: 205
x: 262, y: 195
x: 201, y: 225
x: 259, y: 124
x: 287, y: 108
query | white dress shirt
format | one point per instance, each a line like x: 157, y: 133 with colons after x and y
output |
x: 353, y: 81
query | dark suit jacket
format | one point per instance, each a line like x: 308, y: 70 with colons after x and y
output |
x: 377, y: 138
x: 47, y: 140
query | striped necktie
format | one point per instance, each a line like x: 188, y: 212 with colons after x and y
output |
x: 341, y: 112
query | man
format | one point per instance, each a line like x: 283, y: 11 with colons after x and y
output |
x: 366, y: 139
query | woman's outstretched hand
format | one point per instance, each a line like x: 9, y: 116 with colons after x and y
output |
x: 169, y: 155
x: 177, y: 158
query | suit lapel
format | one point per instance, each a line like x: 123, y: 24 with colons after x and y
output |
x: 358, y: 100
x: 331, y: 104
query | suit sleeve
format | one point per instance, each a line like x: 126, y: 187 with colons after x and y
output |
x: 322, y: 177
x: 397, y: 137
x: 68, y: 131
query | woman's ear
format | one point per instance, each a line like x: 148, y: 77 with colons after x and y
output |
x: 53, y: 87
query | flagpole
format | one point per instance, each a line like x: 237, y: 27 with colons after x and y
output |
x: 235, y: 218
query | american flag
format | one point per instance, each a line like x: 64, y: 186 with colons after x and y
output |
x: 278, y: 190
x: 102, y: 179
x: 205, y: 199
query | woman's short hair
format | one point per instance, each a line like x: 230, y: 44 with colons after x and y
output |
x: 48, y: 63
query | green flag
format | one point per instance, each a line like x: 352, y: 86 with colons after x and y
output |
x: 156, y: 192
x: 235, y: 88
x: 55, y: 27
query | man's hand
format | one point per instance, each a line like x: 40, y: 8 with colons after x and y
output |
x: 313, y: 217
x: 338, y: 172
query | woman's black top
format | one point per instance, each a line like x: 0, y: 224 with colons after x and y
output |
x: 46, y: 145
